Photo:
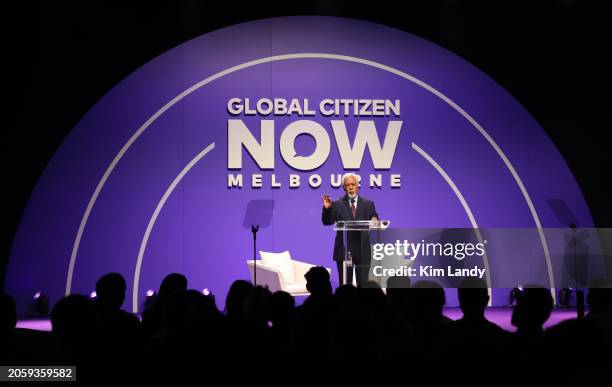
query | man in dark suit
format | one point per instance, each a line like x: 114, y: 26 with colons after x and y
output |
x: 351, y: 207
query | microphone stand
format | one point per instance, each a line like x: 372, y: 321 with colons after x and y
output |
x: 254, y: 229
x: 579, y: 292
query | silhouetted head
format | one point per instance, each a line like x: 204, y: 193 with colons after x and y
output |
x: 372, y: 297
x: 473, y: 297
x: 599, y: 298
x: 427, y: 299
x: 346, y: 294
x: 317, y: 281
x: 172, y: 283
x: 74, y: 317
x: 8, y: 312
x: 257, y: 306
x: 189, y: 312
x: 281, y: 308
x: 236, y: 297
x: 398, y: 290
x: 532, y: 309
x: 110, y: 290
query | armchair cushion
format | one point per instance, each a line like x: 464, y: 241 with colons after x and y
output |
x: 296, y: 289
x: 280, y: 262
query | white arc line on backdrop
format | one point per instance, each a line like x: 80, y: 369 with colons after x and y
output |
x: 252, y: 63
x: 466, y: 207
x: 160, y: 205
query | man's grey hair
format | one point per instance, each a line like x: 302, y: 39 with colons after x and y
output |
x: 357, y: 177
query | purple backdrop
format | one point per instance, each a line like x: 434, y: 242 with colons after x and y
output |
x: 198, y: 230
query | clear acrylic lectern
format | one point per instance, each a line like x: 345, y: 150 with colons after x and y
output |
x: 346, y: 226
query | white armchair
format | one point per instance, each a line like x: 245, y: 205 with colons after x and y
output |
x: 280, y: 272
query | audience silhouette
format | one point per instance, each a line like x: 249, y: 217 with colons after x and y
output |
x: 478, y: 339
x: 183, y: 331
x: 152, y: 319
x: 599, y: 300
x: 120, y: 332
x: 75, y: 325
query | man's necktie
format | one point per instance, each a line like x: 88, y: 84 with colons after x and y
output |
x: 353, y: 209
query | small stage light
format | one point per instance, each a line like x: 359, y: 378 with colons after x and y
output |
x: 151, y: 296
x: 515, y: 293
x: 93, y: 294
x: 39, y: 305
x: 206, y: 292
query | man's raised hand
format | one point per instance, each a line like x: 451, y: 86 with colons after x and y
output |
x: 327, y: 202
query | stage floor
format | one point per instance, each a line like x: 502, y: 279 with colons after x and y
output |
x: 499, y: 315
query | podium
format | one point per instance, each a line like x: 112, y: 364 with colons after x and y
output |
x: 350, y: 226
